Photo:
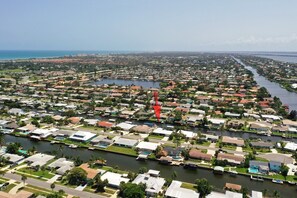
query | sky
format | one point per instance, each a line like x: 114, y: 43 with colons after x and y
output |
x: 149, y: 25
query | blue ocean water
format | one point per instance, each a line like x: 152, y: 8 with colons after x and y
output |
x: 25, y: 54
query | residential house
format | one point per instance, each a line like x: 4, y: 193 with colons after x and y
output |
x: 82, y: 136
x: 125, y: 142
x: 197, y: 154
x: 175, y: 190
x: 258, y: 167
x: 274, y: 166
x: 230, y: 158
x: 114, y: 179
x: 153, y: 182
x: 232, y: 141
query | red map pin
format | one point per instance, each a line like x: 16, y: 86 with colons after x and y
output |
x: 157, y: 107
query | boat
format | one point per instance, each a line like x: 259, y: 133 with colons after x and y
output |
x: 218, y: 170
x: 72, y: 146
x: 91, y: 148
x: 53, y: 142
x: 257, y: 178
x: 233, y: 173
x: 189, y: 165
x: 277, y: 181
x: 292, y: 183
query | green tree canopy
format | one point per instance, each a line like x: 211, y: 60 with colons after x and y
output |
x: 77, y: 176
x: 203, y: 187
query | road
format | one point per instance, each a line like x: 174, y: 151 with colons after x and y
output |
x: 45, y: 185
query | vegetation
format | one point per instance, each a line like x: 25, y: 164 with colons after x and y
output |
x: 77, y: 176
x: 130, y: 190
x: 203, y: 187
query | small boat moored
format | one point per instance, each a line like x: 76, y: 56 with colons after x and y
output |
x: 257, y: 178
x: 277, y: 181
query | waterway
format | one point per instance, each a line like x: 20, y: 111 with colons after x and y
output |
x: 131, y: 164
x: 287, y: 98
x: 142, y: 83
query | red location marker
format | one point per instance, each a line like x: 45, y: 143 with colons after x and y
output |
x: 157, y: 107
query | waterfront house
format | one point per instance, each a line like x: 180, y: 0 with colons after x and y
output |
x: 257, y: 194
x: 142, y: 129
x: 114, y: 179
x: 188, y: 134
x: 26, y: 129
x: 230, y: 158
x: 262, y: 144
x: 161, y: 131
x: 227, y: 194
x: 13, y: 158
x: 232, y: 141
x: 125, y: 126
x: 258, y: 167
x: 91, y: 172
x: 291, y: 146
x: 41, y: 133
x: 197, y: 154
x: 175, y: 153
x: 105, y: 124
x: 39, y: 159
x: 175, y: 190
x: 274, y: 166
x: 153, y: 182
x: 62, y: 165
x: 82, y: 136
x: 124, y: 142
x: 147, y: 146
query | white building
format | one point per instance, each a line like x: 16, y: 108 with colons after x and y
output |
x: 291, y: 146
x: 39, y: 159
x: 147, y: 146
x: 114, y: 179
x: 82, y: 136
x: 176, y: 191
x: 161, y: 131
x: 125, y: 126
x: 154, y: 184
x: 188, y: 134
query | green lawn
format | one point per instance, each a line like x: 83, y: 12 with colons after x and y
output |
x: 11, y: 71
x: 154, y: 136
x: 188, y: 186
x: 39, y: 173
x: 122, y: 150
x: 9, y: 187
x: 204, y: 143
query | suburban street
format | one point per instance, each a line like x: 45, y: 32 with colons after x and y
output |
x: 37, y: 183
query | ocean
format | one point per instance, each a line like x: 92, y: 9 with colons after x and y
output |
x: 26, y: 54
x: 290, y: 57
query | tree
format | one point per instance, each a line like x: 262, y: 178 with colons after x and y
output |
x: 13, y: 148
x: 203, y: 187
x: 276, y: 194
x: 24, y: 178
x: 100, y: 184
x: 55, y: 195
x: 130, y: 190
x: 53, y: 186
x: 284, y: 170
x: 142, y: 170
x: 77, y: 176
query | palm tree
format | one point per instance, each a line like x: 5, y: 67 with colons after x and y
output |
x: 53, y: 186
x: 24, y: 178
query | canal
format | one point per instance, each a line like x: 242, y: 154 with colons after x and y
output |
x: 131, y: 164
x: 287, y: 98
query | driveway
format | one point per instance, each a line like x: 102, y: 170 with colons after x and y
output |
x: 278, y: 157
x: 43, y: 184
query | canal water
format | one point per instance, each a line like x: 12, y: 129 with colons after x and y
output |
x: 287, y: 98
x: 131, y: 164
x: 144, y: 84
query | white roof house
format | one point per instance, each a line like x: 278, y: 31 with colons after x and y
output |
x: 147, y: 146
x: 153, y: 184
x: 291, y: 146
x: 62, y: 165
x: 125, y: 142
x: 82, y: 136
x: 176, y: 191
x: 256, y: 194
x: 13, y: 158
x: 188, y: 134
x: 228, y: 194
x: 42, y: 133
x: 39, y: 159
x: 161, y: 131
x: 125, y: 126
x: 114, y: 179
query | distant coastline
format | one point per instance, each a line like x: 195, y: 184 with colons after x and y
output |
x: 30, y: 54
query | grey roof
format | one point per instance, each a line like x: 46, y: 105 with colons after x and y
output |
x: 258, y: 163
x: 126, y: 142
x: 13, y: 158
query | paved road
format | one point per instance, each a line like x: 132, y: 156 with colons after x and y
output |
x: 43, y: 184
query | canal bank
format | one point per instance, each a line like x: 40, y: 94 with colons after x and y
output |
x: 287, y: 98
x: 131, y: 164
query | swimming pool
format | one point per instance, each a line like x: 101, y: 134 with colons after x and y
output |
x: 253, y: 170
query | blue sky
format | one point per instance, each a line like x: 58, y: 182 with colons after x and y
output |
x: 149, y: 25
